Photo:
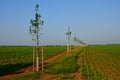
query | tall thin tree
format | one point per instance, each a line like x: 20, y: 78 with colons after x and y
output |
x: 68, y: 44
x: 75, y: 40
x: 34, y: 31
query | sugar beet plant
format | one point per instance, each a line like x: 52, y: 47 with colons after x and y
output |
x: 100, y: 63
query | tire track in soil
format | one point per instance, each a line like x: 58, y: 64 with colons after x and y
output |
x: 77, y: 74
x: 44, y: 75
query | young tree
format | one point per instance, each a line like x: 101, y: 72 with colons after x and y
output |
x: 68, y: 44
x: 75, y: 41
x: 34, y: 31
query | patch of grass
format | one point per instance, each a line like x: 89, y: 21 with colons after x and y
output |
x: 66, y: 65
x: 67, y: 77
x: 33, y: 76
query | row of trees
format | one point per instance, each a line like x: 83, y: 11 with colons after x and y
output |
x: 78, y: 42
x: 35, y: 30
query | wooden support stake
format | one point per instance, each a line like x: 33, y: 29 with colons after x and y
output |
x: 42, y: 59
x: 67, y: 48
x: 37, y: 59
x: 33, y: 59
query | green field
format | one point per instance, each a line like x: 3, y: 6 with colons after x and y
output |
x: 100, y: 63
x: 15, y: 57
x: 95, y: 62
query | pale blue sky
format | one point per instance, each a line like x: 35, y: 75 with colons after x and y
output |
x: 93, y: 21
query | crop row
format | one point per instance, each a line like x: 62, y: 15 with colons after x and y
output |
x: 100, y: 62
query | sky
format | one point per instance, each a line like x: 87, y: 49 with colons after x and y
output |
x: 93, y: 21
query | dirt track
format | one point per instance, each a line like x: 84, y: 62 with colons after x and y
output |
x: 76, y: 75
x: 29, y: 69
x: 44, y: 75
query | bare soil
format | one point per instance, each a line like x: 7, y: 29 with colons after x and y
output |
x: 44, y: 75
x: 70, y: 76
x: 77, y: 74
